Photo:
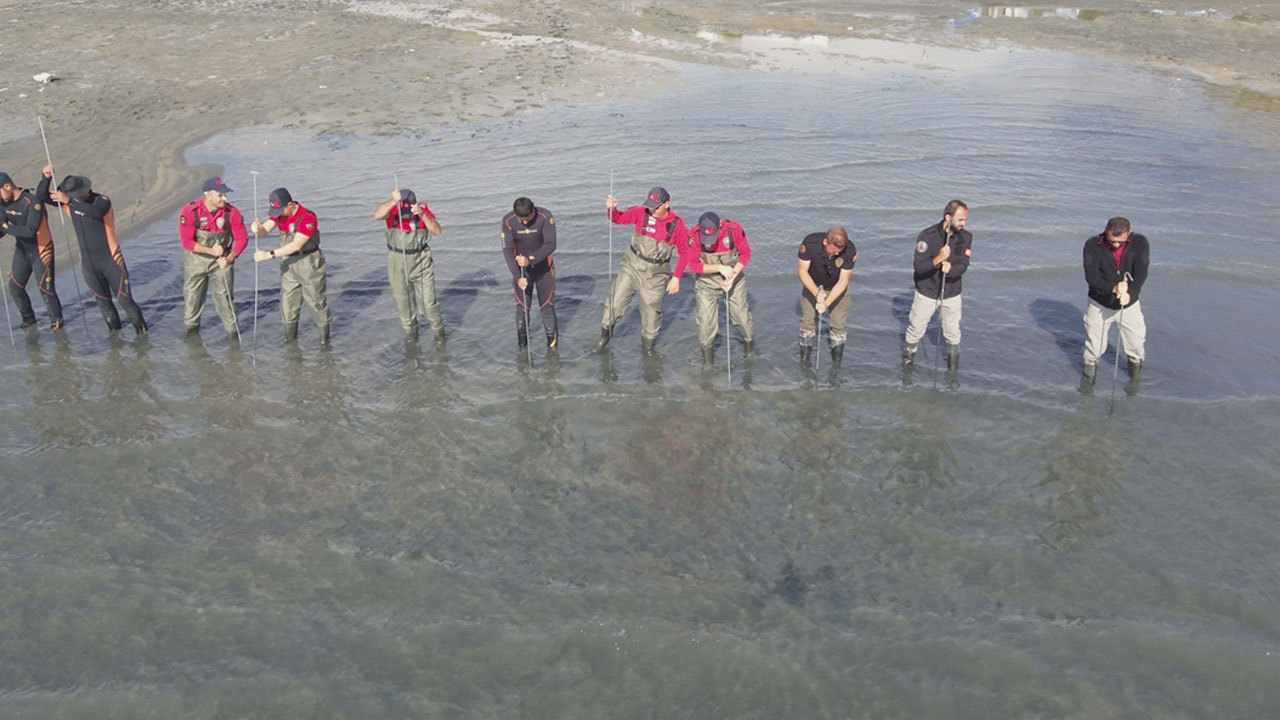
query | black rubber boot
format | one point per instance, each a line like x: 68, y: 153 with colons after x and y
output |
x: 1090, y: 374
x: 837, y: 353
x: 439, y: 337
x: 324, y: 336
x: 909, y: 353
x: 953, y: 357
x: 806, y: 353
x: 411, y: 335
x: 1135, y: 370
x: 605, y: 335
x: 649, y: 346
x: 708, y: 355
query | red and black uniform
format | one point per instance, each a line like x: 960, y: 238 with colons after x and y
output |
x: 101, y: 259
x: 26, y: 220
x: 730, y: 238
x: 669, y: 230
x: 535, y: 241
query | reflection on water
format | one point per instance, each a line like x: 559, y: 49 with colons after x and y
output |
x: 389, y: 531
x: 1022, y: 11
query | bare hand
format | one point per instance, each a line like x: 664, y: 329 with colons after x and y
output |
x: 395, y: 195
x: 943, y: 254
x: 726, y: 284
x: 610, y: 203
x: 256, y: 227
x: 224, y: 262
x: 522, y: 260
x: 1123, y: 298
x: 260, y: 255
x: 47, y: 171
x: 725, y: 271
x: 946, y: 267
x: 523, y: 283
x: 1122, y: 288
x: 218, y: 251
x: 673, y: 285
x: 59, y: 197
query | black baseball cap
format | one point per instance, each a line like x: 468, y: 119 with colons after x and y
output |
x: 279, y: 198
x: 709, y: 223
x: 75, y: 186
x: 407, y: 196
x: 657, y: 196
x: 215, y: 183
x: 6, y: 180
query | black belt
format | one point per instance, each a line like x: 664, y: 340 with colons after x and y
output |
x: 649, y: 259
x: 406, y: 252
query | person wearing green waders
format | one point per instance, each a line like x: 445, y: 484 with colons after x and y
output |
x: 212, y: 233
x: 718, y: 255
x: 410, y: 269
x: 301, y: 263
x: 646, y: 266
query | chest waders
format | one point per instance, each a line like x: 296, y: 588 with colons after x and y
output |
x: 202, y: 270
x: 302, y: 277
x: 412, y: 276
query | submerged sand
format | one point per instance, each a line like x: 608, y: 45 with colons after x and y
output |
x: 138, y: 82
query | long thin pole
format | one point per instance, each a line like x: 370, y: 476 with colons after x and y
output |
x: 817, y: 351
x: 7, y: 318
x: 528, y: 344
x: 937, y: 345
x: 54, y: 181
x: 404, y: 261
x: 728, y: 351
x: 254, y: 173
x: 609, y: 299
x: 1115, y: 369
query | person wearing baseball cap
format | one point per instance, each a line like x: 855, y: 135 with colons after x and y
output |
x: 411, y: 271
x: 101, y: 260
x: 302, y: 266
x: 942, y: 255
x: 719, y: 253
x: 213, y: 235
x: 1116, y: 262
x: 646, y: 267
x: 26, y: 219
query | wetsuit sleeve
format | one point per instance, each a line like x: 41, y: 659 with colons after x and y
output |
x: 509, y: 247
x: 960, y: 253
x: 97, y: 209
x: 740, y: 242
x: 922, y: 263
x: 1141, y: 260
x: 187, y: 228
x: 240, y: 237
x: 548, y: 241
x: 30, y: 224
x: 42, y: 190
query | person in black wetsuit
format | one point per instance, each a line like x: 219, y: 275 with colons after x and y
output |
x: 528, y: 240
x: 25, y: 219
x: 100, y: 257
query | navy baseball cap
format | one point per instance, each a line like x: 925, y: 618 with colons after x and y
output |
x: 215, y: 184
x: 75, y: 186
x: 5, y: 179
x: 709, y: 223
x: 407, y: 196
x: 279, y: 198
x: 657, y: 196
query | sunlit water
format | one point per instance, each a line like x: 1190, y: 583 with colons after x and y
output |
x: 373, y: 533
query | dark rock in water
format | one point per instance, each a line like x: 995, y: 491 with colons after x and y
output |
x: 790, y: 586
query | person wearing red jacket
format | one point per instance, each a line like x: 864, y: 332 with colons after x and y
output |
x: 213, y: 235
x: 719, y: 253
x: 646, y: 266
x: 302, y: 264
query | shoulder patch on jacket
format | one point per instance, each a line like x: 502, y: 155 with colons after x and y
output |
x: 968, y: 252
x: 922, y: 246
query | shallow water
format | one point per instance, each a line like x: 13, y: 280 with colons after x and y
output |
x: 369, y: 533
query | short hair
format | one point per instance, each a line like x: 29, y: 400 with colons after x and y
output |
x: 838, y: 237
x: 952, y: 206
x: 1117, y: 226
x: 523, y: 207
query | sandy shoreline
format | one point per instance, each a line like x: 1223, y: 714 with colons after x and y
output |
x: 139, y: 84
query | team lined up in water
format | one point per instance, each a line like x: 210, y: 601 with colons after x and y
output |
x: 715, y: 251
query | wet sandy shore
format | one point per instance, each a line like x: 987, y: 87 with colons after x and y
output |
x: 139, y: 82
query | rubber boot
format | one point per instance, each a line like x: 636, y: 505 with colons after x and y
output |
x: 909, y: 353
x: 603, y: 342
x: 522, y: 340
x: 649, y: 346
x: 1135, y: 370
x: 953, y: 357
x: 749, y: 347
x: 439, y: 336
x: 837, y: 353
x: 553, y: 341
x: 290, y: 332
x: 324, y: 336
x: 806, y: 352
x: 708, y: 355
x: 411, y: 335
x: 1090, y: 374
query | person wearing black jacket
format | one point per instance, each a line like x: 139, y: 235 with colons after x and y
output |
x: 942, y: 250
x: 1115, y: 267
x: 24, y: 218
